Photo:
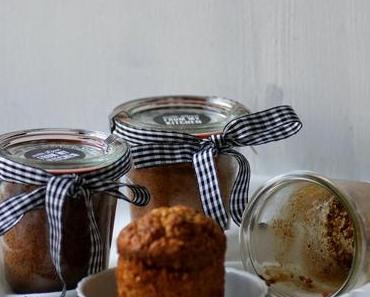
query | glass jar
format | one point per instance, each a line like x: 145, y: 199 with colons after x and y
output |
x: 28, y: 266
x: 306, y: 235
x: 199, y: 116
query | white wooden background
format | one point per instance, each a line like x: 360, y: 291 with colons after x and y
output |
x: 68, y: 63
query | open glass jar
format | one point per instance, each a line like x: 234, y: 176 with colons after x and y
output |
x: 306, y: 235
x: 28, y: 266
x: 195, y: 115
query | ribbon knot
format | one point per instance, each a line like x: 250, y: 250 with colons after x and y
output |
x: 51, y: 193
x: 74, y: 182
x: 220, y: 142
x: 156, y: 148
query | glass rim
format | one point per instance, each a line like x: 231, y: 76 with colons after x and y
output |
x: 111, y: 147
x: 232, y: 109
x: 264, y: 192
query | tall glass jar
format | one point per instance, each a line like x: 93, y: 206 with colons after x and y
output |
x: 28, y: 266
x: 199, y: 116
x: 307, y: 235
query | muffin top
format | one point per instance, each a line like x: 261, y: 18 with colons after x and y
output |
x: 178, y: 238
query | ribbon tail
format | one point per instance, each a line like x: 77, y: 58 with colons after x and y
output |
x: 13, y: 209
x: 96, y: 253
x: 140, y: 196
x: 209, y: 189
x: 56, y: 193
x: 137, y: 195
x: 239, y: 194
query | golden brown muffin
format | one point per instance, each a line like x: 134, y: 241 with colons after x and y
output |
x: 171, y: 252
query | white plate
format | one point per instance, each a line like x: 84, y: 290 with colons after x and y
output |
x: 237, y: 284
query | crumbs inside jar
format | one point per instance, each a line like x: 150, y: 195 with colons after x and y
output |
x: 316, y: 242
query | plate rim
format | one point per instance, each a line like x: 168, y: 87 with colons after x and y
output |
x: 258, y: 281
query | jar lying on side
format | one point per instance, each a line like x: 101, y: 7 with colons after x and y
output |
x: 28, y: 265
x: 202, y: 117
x: 306, y: 235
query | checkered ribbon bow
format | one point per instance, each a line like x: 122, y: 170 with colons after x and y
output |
x: 155, y: 148
x: 53, y: 190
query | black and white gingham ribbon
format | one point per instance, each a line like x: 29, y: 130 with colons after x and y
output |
x: 53, y: 190
x: 155, y: 148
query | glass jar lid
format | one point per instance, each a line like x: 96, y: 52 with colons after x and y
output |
x: 62, y: 150
x: 196, y: 115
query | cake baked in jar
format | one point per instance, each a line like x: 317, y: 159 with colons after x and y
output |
x: 175, y: 183
x: 29, y: 266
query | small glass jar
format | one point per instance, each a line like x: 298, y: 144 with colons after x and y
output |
x: 199, y: 116
x: 306, y: 235
x: 28, y: 266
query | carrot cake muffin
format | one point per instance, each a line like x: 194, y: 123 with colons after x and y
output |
x: 171, y: 252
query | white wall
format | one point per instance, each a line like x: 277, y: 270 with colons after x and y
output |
x: 68, y: 63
